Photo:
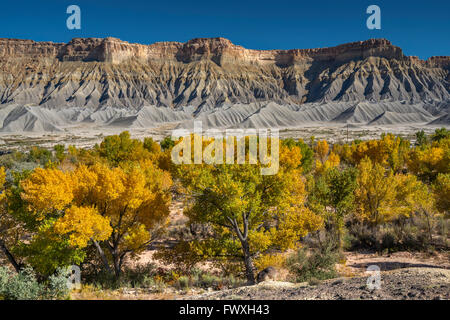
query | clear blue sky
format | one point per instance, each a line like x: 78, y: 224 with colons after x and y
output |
x: 421, y: 28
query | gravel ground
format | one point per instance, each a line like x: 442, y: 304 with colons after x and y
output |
x: 400, y: 284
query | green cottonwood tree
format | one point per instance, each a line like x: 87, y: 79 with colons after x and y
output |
x: 248, y: 211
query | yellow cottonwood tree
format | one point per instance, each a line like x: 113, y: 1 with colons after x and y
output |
x: 383, y: 196
x: 120, y: 207
x: 389, y: 151
x: 441, y: 189
x: 325, y: 159
x: 2, y: 183
x: 248, y: 213
x: 429, y: 160
x: 83, y: 224
x: 321, y: 150
x: 424, y: 204
x: 332, y: 162
x: 375, y: 193
x: 48, y: 190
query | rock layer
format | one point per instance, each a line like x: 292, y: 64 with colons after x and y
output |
x: 206, y: 73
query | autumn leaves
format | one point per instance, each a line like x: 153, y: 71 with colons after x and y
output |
x: 117, y: 206
x: 106, y: 204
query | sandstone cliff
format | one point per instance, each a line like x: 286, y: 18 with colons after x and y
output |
x: 206, y: 73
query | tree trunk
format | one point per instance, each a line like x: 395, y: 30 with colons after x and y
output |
x: 116, y: 259
x: 102, y: 257
x: 248, y: 261
x: 340, y: 234
x: 10, y: 257
x: 430, y: 235
x: 243, y: 238
x: 339, y: 239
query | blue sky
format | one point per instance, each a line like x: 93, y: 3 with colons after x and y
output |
x: 421, y: 28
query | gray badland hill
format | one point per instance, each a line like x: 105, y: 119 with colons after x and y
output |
x: 47, y: 86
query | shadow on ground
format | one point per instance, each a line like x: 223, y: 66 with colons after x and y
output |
x: 393, y: 265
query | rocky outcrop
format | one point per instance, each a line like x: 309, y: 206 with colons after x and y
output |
x: 439, y: 62
x: 219, y: 50
x: 116, y: 51
x: 206, y: 73
x: 15, y: 48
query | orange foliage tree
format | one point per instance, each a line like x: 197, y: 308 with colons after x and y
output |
x: 120, y: 207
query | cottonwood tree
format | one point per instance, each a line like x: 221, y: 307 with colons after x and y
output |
x: 332, y: 195
x: 307, y: 153
x: 26, y: 237
x: 389, y: 151
x: 429, y: 160
x: 382, y: 196
x: 115, y: 209
x: 325, y: 158
x: 417, y: 194
x: 9, y: 227
x: 441, y: 189
x: 375, y: 194
x: 248, y: 211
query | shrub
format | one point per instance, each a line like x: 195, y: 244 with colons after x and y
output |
x: 25, y: 286
x: 183, y: 282
x: 388, y: 241
x: 57, y: 287
x: 22, y: 286
x: 4, y: 279
x: 139, y: 276
x: 318, y: 264
x: 205, y: 280
x: 158, y: 284
x: 167, y: 143
x: 208, y: 281
x: 389, y: 237
x: 442, y: 227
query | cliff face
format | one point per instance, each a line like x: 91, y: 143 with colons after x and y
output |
x: 205, y: 73
x: 215, y: 49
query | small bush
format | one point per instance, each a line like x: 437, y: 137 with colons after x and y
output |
x: 314, y: 282
x: 208, y: 281
x: 388, y: 241
x: 361, y: 236
x: 183, y: 282
x: 57, y: 287
x: 24, y: 285
x: 140, y: 276
x: 159, y: 284
x: 317, y: 265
